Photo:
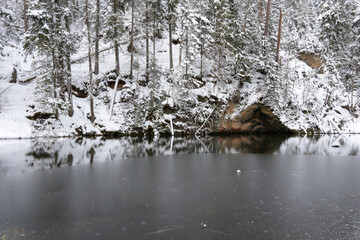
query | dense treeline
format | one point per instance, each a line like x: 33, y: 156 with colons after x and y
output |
x: 222, y: 40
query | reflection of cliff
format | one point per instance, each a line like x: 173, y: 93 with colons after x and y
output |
x: 251, y: 144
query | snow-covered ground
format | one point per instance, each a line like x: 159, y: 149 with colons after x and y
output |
x: 309, y: 101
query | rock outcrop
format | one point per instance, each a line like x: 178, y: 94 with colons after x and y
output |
x: 256, y: 118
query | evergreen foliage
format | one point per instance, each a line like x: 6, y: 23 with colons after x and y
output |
x: 6, y: 17
x: 217, y: 41
x: 50, y: 39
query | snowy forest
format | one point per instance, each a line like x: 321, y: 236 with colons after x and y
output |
x: 97, y: 67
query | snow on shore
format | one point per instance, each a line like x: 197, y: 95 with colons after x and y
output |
x: 309, y: 102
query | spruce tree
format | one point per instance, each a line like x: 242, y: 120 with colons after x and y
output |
x: 6, y: 28
x: 114, y: 27
x: 51, y: 39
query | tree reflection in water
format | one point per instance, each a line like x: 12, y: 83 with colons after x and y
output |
x: 49, y: 153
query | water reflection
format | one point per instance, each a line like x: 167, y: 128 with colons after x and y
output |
x: 48, y: 153
x: 250, y: 144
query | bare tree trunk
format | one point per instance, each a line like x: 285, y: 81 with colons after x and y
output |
x: 26, y: 23
x: 266, y: 31
x: 219, y: 66
x: 246, y: 14
x: 61, y: 54
x: 278, y: 39
x: 87, y: 22
x: 97, y: 37
x: 147, y: 41
x: 201, y: 59
x: 132, y: 40
x: 170, y: 47
x: 201, y: 40
x: 186, y: 53
x: 117, y: 59
x: 154, y: 46
x: 181, y: 44
x: 69, y: 87
x: 68, y: 75
x: 170, y: 38
x: 153, y: 65
x: 54, y: 80
x: 116, y: 44
x: 261, y: 15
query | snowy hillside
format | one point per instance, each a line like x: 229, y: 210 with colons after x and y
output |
x: 303, y: 107
x: 175, y: 66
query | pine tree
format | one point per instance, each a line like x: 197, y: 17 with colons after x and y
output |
x: 50, y: 38
x: 157, y: 13
x: 221, y: 28
x: 189, y: 23
x: 204, y: 33
x: 6, y: 28
x: 339, y: 24
x: 114, y: 27
x: 90, y: 86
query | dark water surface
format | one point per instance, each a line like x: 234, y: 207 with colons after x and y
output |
x: 276, y: 196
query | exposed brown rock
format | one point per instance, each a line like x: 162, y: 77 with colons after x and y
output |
x: 120, y: 85
x: 311, y: 60
x: 256, y: 118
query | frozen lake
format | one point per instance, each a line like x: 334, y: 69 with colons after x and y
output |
x: 302, y: 188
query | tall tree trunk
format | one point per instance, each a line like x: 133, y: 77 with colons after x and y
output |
x: 278, y: 39
x: 219, y: 66
x: 246, y: 14
x: 61, y: 55
x: 87, y: 23
x: 54, y: 80
x: 201, y: 39
x: 181, y: 44
x: 147, y: 41
x: 116, y: 44
x: 68, y: 68
x: 201, y: 59
x: 261, y: 15
x: 170, y: 38
x: 186, y: 53
x: 132, y: 40
x: 25, y: 18
x: 69, y: 87
x: 97, y: 37
x: 266, y: 31
x: 153, y: 65
x: 117, y: 58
